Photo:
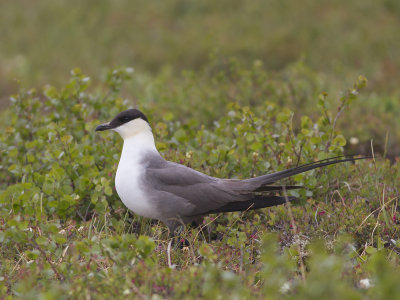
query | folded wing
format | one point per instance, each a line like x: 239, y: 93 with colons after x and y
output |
x: 196, y: 193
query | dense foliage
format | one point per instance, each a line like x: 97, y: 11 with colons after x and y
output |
x: 65, y: 234
x: 285, y: 98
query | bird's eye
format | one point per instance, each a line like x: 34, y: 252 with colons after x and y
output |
x: 124, y: 119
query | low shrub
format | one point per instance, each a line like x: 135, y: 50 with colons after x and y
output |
x: 64, y: 233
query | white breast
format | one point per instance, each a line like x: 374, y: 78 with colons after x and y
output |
x: 130, y: 190
x: 138, y: 141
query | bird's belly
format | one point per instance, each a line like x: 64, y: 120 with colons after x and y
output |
x: 132, y: 194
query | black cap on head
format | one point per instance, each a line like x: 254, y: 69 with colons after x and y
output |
x: 122, y: 118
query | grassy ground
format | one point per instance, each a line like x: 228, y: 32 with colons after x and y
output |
x: 65, y: 233
x: 234, y: 90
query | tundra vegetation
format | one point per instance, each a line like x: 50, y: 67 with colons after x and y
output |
x: 64, y: 233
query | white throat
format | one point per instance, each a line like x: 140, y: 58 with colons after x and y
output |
x: 133, y: 128
x: 138, y: 141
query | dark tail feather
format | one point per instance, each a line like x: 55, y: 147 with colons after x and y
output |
x: 258, y: 201
x: 263, y: 182
x: 271, y: 178
x: 270, y: 188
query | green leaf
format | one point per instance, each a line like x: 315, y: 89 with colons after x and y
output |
x: 108, y: 191
x: 371, y: 250
x: 66, y: 139
x: 41, y: 241
x: 180, y: 135
x: 59, y: 239
x: 32, y: 254
x: 145, y: 246
x: 339, y: 140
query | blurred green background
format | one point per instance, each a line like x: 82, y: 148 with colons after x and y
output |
x: 41, y: 41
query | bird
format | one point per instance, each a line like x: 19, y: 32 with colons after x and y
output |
x: 175, y: 194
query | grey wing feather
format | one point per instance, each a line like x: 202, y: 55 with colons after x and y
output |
x: 194, y: 192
